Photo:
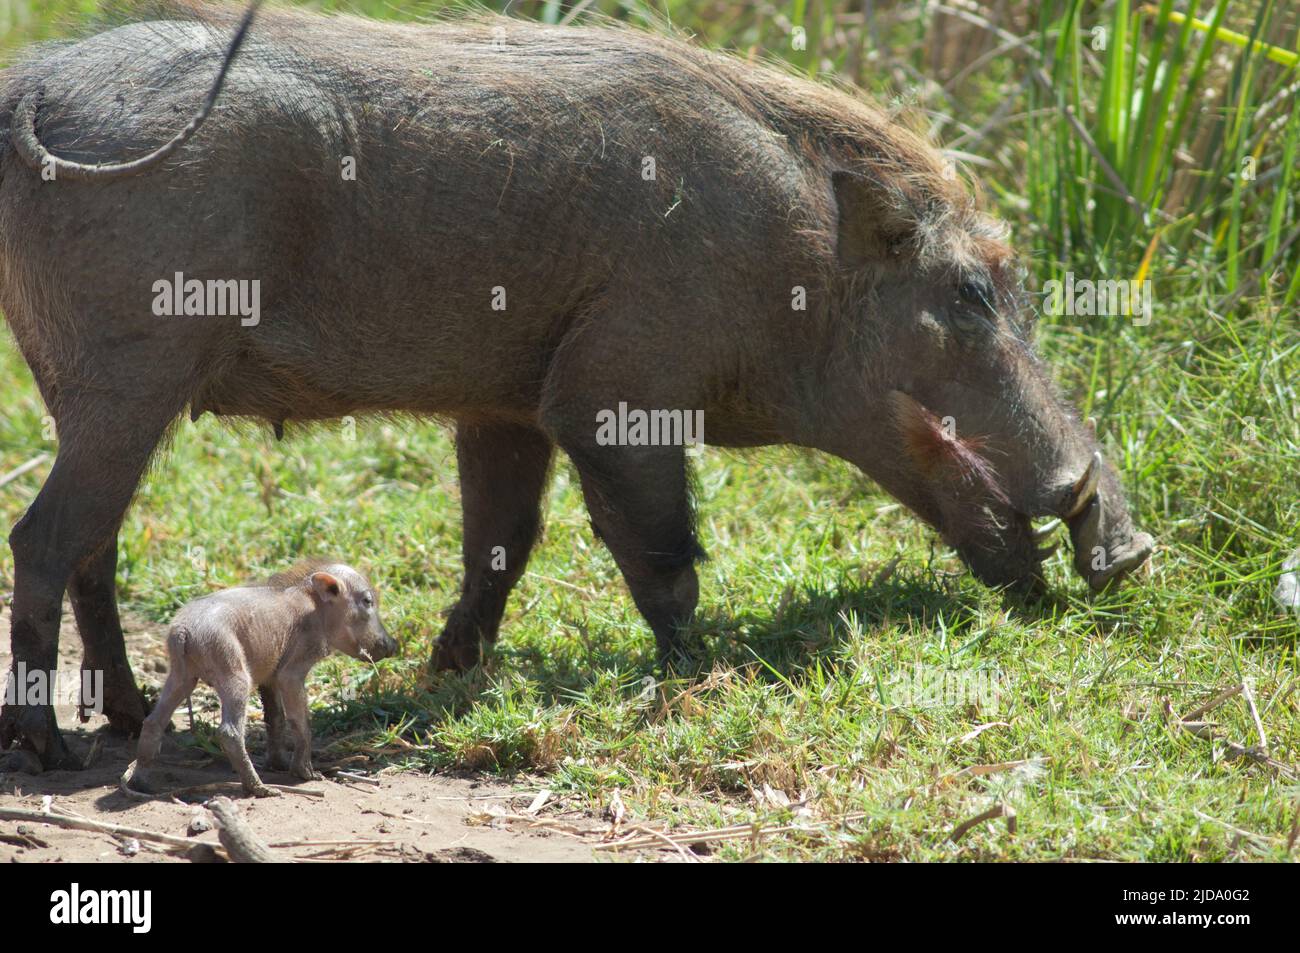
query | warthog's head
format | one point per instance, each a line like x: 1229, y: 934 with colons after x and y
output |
x: 349, y: 608
x: 949, y: 408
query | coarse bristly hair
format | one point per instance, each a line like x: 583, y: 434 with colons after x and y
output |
x: 819, y: 120
x: 299, y: 574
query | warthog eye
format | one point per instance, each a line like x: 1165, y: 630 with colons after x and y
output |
x: 976, y: 293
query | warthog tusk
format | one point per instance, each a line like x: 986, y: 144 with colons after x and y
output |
x: 1085, y: 488
x: 1044, y: 532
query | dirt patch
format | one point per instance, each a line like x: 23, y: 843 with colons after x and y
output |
x: 409, y: 816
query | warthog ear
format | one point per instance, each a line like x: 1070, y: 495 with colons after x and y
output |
x: 325, y: 586
x: 870, y: 227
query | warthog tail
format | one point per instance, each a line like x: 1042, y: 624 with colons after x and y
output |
x: 33, y: 152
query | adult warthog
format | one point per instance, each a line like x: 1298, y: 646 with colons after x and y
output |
x: 524, y: 229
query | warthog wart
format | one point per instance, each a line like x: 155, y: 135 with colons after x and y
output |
x: 496, y: 157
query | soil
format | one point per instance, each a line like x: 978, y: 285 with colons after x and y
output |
x: 415, y: 816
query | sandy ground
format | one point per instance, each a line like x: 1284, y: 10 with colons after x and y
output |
x: 413, y: 816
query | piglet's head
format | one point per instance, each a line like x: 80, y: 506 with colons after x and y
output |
x: 349, y: 607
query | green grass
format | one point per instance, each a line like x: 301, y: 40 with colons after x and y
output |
x: 804, y: 718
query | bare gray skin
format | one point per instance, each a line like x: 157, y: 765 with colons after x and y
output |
x: 495, y: 156
x: 266, y: 637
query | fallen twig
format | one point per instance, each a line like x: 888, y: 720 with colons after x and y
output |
x: 1206, y: 732
x: 355, y: 778
x: 77, y: 822
x: 549, y: 823
x: 735, y: 832
x: 175, y: 794
x: 236, y: 836
x: 1212, y: 704
x: 296, y: 844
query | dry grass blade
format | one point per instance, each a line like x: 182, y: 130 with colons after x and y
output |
x: 998, y: 810
x: 1249, y: 695
x: 31, y: 464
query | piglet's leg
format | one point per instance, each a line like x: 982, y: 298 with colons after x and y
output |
x: 293, y: 694
x: 277, y: 754
x: 233, y: 692
x: 174, y: 691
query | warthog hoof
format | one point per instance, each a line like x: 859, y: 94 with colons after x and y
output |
x: 33, y: 728
x: 454, y: 655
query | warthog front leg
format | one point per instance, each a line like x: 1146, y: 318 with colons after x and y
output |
x: 503, y: 472
x: 92, y: 591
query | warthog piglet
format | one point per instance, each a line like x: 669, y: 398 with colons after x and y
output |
x: 267, y: 635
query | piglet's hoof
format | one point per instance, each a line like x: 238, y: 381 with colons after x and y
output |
x: 277, y: 762
x: 307, y: 774
x: 135, y: 778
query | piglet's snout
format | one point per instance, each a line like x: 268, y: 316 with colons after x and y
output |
x: 385, y: 646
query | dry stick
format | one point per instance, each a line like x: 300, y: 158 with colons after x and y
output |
x: 1212, y: 704
x: 546, y: 822
x: 31, y: 464
x: 176, y: 793
x: 181, y: 844
x: 702, y: 837
x: 1205, y: 731
x: 357, y: 778
x: 660, y: 835
x: 76, y: 822
x: 294, y: 844
x: 735, y: 832
x: 237, y: 837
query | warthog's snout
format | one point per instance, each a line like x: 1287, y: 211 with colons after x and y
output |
x: 1106, y: 546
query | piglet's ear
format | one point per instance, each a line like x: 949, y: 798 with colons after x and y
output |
x: 325, y: 586
x: 870, y: 228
